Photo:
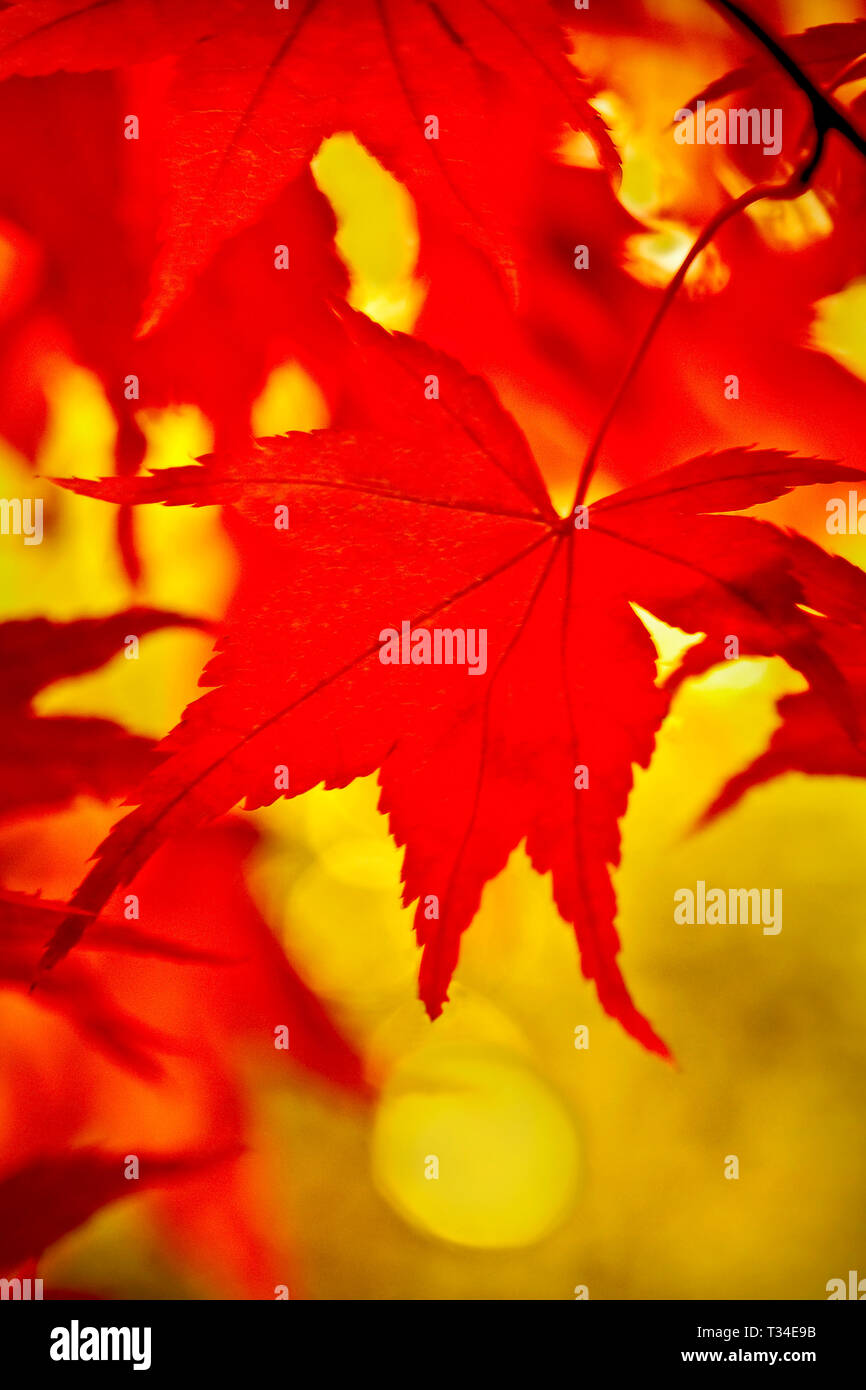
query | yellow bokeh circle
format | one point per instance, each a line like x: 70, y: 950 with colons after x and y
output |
x: 470, y: 1145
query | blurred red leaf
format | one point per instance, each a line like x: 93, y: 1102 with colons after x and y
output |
x: 54, y: 1193
x: 81, y: 279
x: 207, y: 1023
x: 48, y: 760
x: 257, y: 88
x: 245, y: 987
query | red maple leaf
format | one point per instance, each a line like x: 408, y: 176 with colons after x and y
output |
x: 810, y: 738
x: 448, y: 96
x: 439, y: 521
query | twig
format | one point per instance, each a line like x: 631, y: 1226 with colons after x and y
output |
x: 826, y: 111
x: 826, y: 115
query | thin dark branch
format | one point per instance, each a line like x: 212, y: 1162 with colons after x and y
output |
x: 826, y: 115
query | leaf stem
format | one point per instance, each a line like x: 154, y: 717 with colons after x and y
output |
x: 791, y: 187
x: 826, y: 115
